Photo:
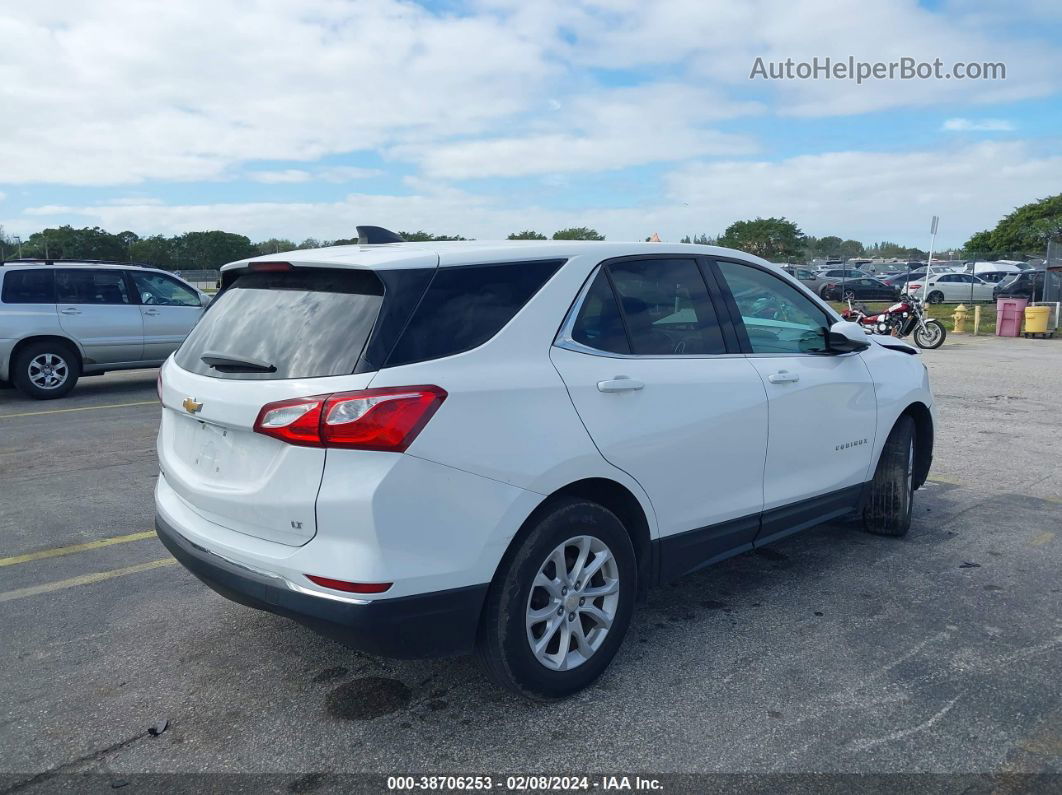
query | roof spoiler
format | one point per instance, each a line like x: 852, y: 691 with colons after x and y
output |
x: 372, y: 235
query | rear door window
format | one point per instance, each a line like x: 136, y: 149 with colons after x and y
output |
x: 29, y: 287
x: 466, y: 305
x: 304, y: 323
x: 665, y: 305
x: 88, y: 286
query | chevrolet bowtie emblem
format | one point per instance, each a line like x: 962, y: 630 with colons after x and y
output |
x: 191, y: 406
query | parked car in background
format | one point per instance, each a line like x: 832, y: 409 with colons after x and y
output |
x: 60, y: 320
x: 865, y: 289
x: 806, y: 276
x: 936, y: 289
x: 994, y: 277
x: 1030, y: 284
x: 841, y: 273
x: 980, y: 268
x: 900, y: 280
x: 425, y: 449
x: 1017, y: 263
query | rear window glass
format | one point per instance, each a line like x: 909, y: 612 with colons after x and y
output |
x: 467, y: 305
x: 306, y: 323
x: 29, y: 287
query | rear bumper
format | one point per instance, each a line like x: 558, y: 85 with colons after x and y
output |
x: 425, y: 625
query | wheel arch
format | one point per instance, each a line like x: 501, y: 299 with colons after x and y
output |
x: 923, y: 420
x: 56, y: 338
x: 609, y: 494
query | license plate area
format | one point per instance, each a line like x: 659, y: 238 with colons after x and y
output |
x: 212, y: 449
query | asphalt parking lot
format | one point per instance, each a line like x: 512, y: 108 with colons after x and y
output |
x: 831, y: 651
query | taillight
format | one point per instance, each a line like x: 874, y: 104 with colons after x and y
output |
x: 914, y: 287
x: 350, y: 587
x: 387, y: 419
x: 294, y: 421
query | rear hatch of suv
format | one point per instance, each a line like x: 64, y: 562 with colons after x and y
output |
x: 271, y: 335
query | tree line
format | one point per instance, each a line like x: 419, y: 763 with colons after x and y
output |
x: 197, y: 250
x: 1027, y: 229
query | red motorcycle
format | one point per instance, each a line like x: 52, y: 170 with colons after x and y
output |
x: 900, y: 320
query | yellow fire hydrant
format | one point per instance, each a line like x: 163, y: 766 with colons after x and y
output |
x: 959, y: 316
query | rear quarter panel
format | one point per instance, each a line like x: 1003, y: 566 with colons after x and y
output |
x: 21, y: 321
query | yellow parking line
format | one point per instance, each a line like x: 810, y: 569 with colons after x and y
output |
x: 1042, y: 539
x: 84, y: 579
x: 69, y: 550
x: 80, y: 408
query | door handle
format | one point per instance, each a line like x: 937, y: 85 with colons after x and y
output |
x: 70, y: 311
x: 783, y: 377
x: 621, y: 383
x: 151, y: 311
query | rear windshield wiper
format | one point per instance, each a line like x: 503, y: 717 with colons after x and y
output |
x: 236, y: 364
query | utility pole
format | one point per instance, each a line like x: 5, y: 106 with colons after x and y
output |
x: 19, y: 241
x: 929, y: 261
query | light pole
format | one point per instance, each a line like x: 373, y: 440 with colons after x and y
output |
x: 19, y: 241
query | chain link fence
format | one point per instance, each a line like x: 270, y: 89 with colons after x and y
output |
x: 201, y: 279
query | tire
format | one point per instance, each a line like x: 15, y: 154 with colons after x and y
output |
x: 518, y: 612
x: 931, y: 337
x: 848, y: 296
x: 824, y: 294
x: 935, y: 297
x: 889, y: 502
x: 45, y: 370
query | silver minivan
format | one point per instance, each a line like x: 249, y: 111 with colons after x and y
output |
x: 60, y: 320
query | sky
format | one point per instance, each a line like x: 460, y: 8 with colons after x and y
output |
x: 304, y: 118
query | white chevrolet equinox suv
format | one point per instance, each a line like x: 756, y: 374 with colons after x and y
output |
x: 429, y: 449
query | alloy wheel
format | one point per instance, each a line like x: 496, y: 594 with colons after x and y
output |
x: 573, y: 603
x: 48, y: 371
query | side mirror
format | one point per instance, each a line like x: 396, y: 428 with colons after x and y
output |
x: 204, y: 298
x: 845, y: 336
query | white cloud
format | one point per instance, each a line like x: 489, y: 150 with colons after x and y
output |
x: 286, y: 176
x: 597, y: 132
x: 295, y: 175
x: 718, y: 41
x: 977, y: 125
x: 185, y: 91
x: 123, y: 91
x: 868, y: 196
x: 871, y: 196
